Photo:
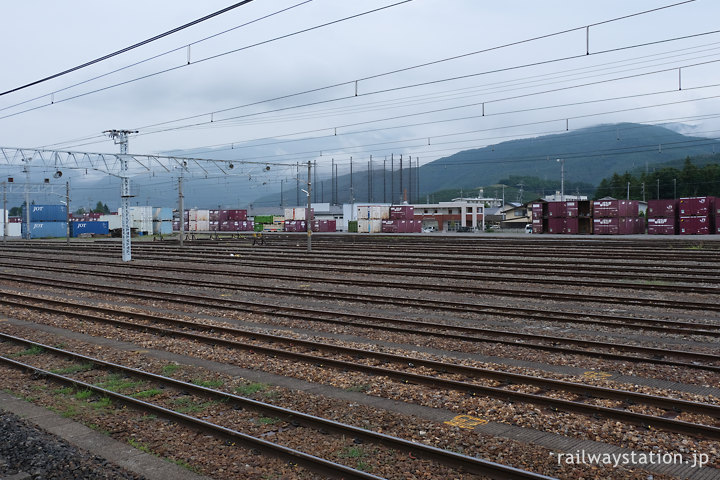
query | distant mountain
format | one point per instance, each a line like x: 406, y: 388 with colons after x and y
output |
x: 589, y: 155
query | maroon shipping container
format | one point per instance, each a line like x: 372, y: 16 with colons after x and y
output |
x: 176, y: 225
x: 537, y: 226
x: 605, y: 208
x: 246, y: 225
x: 662, y: 208
x: 389, y: 226
x: 237, y: 215
x: 571, y: 209
x: 556, y: 210
x: 416, y: 226
x: 662, y: 226
x: 628, y: 208
x: 696, y: 206
x: 606, y: 226
x: 214, y: 226
x: 403, y: 226
x: 556, y: 225
x: 572, y: 225
x: 717, y: 224
x: 214, y: 216
x: 698, y: 225
x: 402, y: 212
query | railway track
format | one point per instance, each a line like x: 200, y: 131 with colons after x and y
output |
x: 291, y: 418
x: 659, y: 356
x: 483, y: 290
x: 310, y: 352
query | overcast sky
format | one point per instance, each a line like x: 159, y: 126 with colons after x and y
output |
x: 389, y: 115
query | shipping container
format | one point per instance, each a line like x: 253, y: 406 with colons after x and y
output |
x: 537, y: 226
x: 572, y: 226
x: 373, y: 212
x: 164, y: 227
x: 606, y: 226
x: 214, y: 215
x: 262, y: 219
x: 12, y: 229
x: 237, y: 215
x: 389, y: 226
x: 45, y: 229
x: 556, y: 225
x: 352, y: 226
x: 369, y: 226
x: 571, y: 209
x: 402, y: 212
x: 162, y: 214
x: 697, y: 225
x: 556, y: 210
x: 46, y: 213
x: 696, y: 206
x: 89, y: 228
x: 539, y: 210
x: 662, y: 225
x: 15, y: 220
x: 662, y: 208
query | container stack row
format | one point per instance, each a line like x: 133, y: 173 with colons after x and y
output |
x: 571, y: 217
x: 402, y: 220
x: 46, y: 221
x: 662, y: 217
x: 370, y: 218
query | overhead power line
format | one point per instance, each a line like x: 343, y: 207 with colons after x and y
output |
x: 127, y: 49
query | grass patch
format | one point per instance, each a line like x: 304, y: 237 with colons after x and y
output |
x: 147, y: 393
x: 70, y: 411
x: 140, y: 446
x: 84, y: 394
x: 28, y: 351
x: 251, y: 388
x: 64, y: 391
x: 117, y: 382
x: 169, y: 369
x: 359, y: 388
x: 75, y: 368
x: 102, y: 403
x: 209, y: 383
x: 266, y: 420
x: 353, y: 452
x: 188, y: 405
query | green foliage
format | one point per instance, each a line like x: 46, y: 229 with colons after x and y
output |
x: 208, y: 383
x: 250, y: 388
x: 169, y: 369
x: 28, y: 351
x: 667, y: 182
x: 101, y: 208
x: 84, y: 367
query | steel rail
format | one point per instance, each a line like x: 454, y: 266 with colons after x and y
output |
x: 610, y: 321
x: 335, y: 470
x: 485, y: 290
x: 468, y: 463
x: 304, y: 314
x: 407, y: 377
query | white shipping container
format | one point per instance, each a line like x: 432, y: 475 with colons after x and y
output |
x: 202, y: 215
x: 290, y: 214
x: 14, y: 229
x: 363, y: 212
x: 114, y: 221
x: 369, y: 226
x: 380, y: 212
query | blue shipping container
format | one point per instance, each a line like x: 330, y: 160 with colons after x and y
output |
x: 46, y: 213
x: 162, y: 214
x: 163, y: 228
x: 94, y: 228
x: 45, y: 229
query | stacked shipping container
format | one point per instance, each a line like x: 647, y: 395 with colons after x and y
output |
x: 402, y: 220
x: 662, y: 217
x: 617, y: 217
x: 46, y: 221
x: 370, y: 217
x: 697, y: 215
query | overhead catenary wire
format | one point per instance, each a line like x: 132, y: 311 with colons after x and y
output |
x: 351, y: 82
x: 127, y: 49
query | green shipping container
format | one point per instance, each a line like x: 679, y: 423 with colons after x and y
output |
x: 263, y: 219
x: 258, y: 227
x: 352, y: 226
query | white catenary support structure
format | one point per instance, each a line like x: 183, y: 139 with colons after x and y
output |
x: 120, y: 137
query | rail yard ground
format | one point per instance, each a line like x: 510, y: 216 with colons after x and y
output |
x: 390, y: 356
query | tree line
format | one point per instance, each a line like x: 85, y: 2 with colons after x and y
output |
x: 668, y: 182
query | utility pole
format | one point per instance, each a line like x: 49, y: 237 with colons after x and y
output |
x: 352, y: 192
x: 5, y: 214
x: 297, y: 184
x: 401, y: 182
x: 315, y: 179
x: 67, y: 204
x: 181, y: 206
x: 410, y: 179
x: 309, y: 216
x: 121, y: 137
x: 282, y: 204
x: 384, y: 173
x: 27, y: 199
x: 332, y: 181
x: 562, y: 179
x: 392, y: 178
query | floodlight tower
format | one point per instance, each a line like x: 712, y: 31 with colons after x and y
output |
x: 121, y: 137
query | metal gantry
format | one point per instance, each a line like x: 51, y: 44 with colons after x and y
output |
x: 122, y: 165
